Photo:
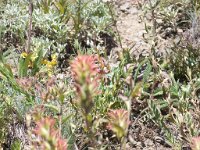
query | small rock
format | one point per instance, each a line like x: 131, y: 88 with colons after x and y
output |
x: 139, y: 144
x: 133, y: 11
x: 180, y: 31
x: 148, y: 148
x: 168, y: 30
x: 125, y: 7
x: 162, y: 141
x: 177, y: 40
x: 159, y: 21
x: 131, y: 140
x: 148, y: 143
x: 148, y: 16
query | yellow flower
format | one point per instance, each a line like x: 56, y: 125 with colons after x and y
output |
x: 33, y: 57
x: 54, y: 57
x: 49, y: 65
x: 30, y: 65
x: 24, y: 55
x: 50, y: 73
x: 44, y: 61
x: 53, y: 62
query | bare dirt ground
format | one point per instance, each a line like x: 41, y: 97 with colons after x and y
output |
x: 130, y: 27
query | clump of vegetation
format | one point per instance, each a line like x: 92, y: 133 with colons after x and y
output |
x: 59, y: 89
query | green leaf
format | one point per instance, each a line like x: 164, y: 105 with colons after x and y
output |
x: 8, y: 76
x: 147, y: 72
x: 136, y: 90
x: 23, y: 65
x: 16, y: 145
x: 52, y: 107
x: 60, y: 7
x: 37, y: 63
x: 158, y: 92
x: 138, y: 68
x: 45, y: 4
x: 8, y: 70
x: 66, y: 118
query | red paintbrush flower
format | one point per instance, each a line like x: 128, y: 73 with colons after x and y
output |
x: 86, y: 74
x: 49, y: 136
x: 85, y: 69
x: 118, y: 122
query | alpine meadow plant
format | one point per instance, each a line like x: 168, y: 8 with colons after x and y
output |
x: 113, y: 87
x: 86, y: 75
x: 48, y: 137
x: 118, y: 122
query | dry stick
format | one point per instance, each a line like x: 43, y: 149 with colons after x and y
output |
x: 30, y: 26
x: 153, y: 18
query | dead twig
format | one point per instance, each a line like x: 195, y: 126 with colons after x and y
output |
x: 28, y: 46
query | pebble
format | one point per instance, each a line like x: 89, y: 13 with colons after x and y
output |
x: 125, y: 7
x: 148, y: 143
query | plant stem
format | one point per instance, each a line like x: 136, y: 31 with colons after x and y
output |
x: 30, y: 26
x: 123, y: 144
x: 89, y: 130
x: 60, y: 119
x: 153, y: 17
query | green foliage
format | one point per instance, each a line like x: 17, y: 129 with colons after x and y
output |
x: 16, y: 145
x: 36, y: 84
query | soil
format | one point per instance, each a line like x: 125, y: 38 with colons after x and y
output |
x: 130, y: 28
x: 142, y: 135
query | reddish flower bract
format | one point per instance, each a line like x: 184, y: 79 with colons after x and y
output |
x: 48, y: 134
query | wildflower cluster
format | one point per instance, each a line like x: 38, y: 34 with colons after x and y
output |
x: 32, y: 57
x: 49, y: 137
x: 50, y: 64
x: 25, y: 55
